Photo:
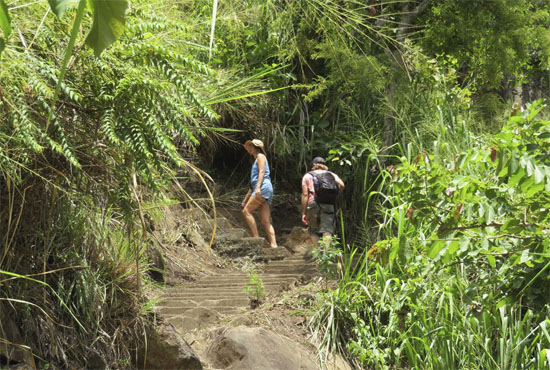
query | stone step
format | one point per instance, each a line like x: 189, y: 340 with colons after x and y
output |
x: 192, y: 298
x: 230, y: 234
x: 245, y: 246
x: 237, y: 284
x: 205, y: 291
x: 207, y: 224
x: 246, y: 277
x: 296, y: 272
x: 231, y: 288
x: 290, y: 262
x: 168, y: 312
x: 295, y: 267
x: 172, y: 302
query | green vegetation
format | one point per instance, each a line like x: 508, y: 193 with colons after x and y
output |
x: 328, y: 255
x: 254, y: 288
x: 459, y: 280
x: 447, y: 187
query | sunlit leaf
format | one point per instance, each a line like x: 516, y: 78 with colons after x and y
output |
x: 5, y: 23
x: 60, y: 6
x: 539, y: 174
x: 489, y: 213
x: 534, y: 111
x: 436, y: 248
x: 534, y: 190
x: 491, y: 260
x: 109, y: 18
x: 453, y: 247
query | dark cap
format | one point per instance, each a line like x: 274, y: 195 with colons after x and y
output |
x: 318, y: 160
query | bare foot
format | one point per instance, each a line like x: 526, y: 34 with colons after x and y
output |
x: 273, y: 246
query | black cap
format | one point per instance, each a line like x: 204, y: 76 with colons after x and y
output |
x: 318, y: 160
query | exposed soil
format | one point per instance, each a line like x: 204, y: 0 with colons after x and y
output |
x: 285, y: 310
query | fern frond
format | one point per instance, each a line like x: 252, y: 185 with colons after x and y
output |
x: 61, y: 146
x: 51, y: 73
x: 108, y: 124
x: 25, y: 129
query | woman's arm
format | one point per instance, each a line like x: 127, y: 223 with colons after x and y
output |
x: 260, y: 158
x: 246, y: 197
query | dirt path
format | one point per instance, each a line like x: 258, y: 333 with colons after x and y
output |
x: 199, y: 308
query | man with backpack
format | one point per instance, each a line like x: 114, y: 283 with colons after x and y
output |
x: 320, y: 188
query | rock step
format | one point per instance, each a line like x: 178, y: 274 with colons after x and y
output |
x: 205, y: 303
x: 207, y: 224
x: 281, y: 270
x: 291, y: 262
x: 246, y: 278
x: 230, y: 234
x: 206, y: 293
x: 193, y: 298
x: 230, y: 286
x: 303, y: 272
x: 214, y: 289
x: 239, y: 284
x: 168, y: 312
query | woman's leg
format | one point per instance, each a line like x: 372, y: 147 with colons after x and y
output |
x: 265, y: 219
x: 253, y: 203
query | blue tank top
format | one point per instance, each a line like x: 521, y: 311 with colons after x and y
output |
x: 255, y: 172
x: 266, y: 189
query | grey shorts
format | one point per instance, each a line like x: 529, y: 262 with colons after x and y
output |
x: 321, y: 218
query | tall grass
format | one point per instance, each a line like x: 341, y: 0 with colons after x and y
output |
x: 407, y: 307
x: 383, y: 320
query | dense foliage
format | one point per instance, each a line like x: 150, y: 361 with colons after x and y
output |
x: 446, y: 199
x: 460, y: 279
x: 78, y: 171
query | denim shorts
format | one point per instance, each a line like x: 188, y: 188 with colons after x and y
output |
x: 266, y: 191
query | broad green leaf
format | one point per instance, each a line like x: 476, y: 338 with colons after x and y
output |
x: 503, y: 302
x: 534, y: 111
x: 502, y: 168
x: 109, y: 18
x: 453, y: 247
x: 526, y: 184
x: 398, y: 247
x: 436, y: 248
x: 513, y: 166
x: 534, y: 190
x: 489, y: 213
x: 504, y: 136
x: 525, y: 256
x: 5, y: 23
x: 59, y: 6
x: 464, y: 244
x: 516, y: 119
x: 513, y: 181
x: 539, y: 174
x: 491, y: 260
x: 529, y: 167
x: 512, y: 226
